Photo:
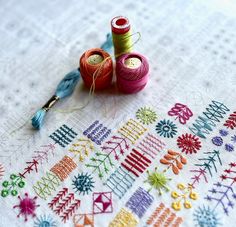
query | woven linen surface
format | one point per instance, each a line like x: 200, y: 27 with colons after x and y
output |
x: 190, y: 46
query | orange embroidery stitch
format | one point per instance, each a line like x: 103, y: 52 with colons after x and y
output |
x: 64, y: 167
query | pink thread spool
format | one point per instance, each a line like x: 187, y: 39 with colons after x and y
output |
x: 132, y: 72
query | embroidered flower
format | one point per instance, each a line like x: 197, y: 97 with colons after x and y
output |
x: 166, y: 128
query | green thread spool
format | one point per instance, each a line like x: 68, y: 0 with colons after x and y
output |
x: 121, y: 35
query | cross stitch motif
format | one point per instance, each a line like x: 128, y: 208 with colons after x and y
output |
x: 132, y: 130
x: 213, y: 114
x: 64, y: 167
x: 166, y: 128
x: 63, y: 136
x: 97, y: 132
x: 146, y: 115
x: 182, y: 112
x: 120, y: 181
x: 124, y: 218
x: 83, y: 183
x: 102, y: 202
x: 139, y: 202
x: 64, y: 204
x: 27, y: 206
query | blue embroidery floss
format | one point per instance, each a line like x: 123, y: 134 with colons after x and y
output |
x: 64, y: 89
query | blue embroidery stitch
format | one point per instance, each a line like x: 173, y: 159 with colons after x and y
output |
x: 166, y: 128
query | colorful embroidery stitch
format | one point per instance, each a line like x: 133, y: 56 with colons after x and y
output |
x: 83, y: 220
x: 1, y: 171
x: 213, y: 114
x: 139, y: 202
x: 101, y: 163
x: 166, y: 128
x: 151, y: 145
x: 97, y: 132
x: 27, y: 206
x: 208, y: 164
x: 102, y: 202
x: 116, y: 146
x: 146, y: 115
x: 136, y: 162
x: 231, y: 121
x: 124, y: 218
x: 189, y: 143
x: 158, y: 181
x: 63, y: 136
x: 64, y: 204
x: 45, y: 221
x: 186, y: 191
x: 204, y: 216
x: 224, y: 193
x: 132, y: 130
x: 82, y: 148
x: 174, y: 160
x: 182, y: 112
x: 16, y: 182
x: 83, y: 183
x: 46, y: 185
x: 64, y: 167
x: 120, y: 181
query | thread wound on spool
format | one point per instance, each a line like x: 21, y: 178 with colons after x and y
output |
x: 96, y: 68
x: 121, y: 35
x: 132, y: 72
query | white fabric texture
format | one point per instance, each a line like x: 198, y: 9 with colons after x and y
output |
x: 191, y: 48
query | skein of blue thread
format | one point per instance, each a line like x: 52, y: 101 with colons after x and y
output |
x: 64, y: 89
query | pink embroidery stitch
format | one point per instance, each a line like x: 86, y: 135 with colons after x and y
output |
x: 182, y: 112
x: 102, y: 202
x: 27, y: 206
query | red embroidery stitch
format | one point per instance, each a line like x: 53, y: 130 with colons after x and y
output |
x: 64, y: 167
x: 41, y: 155
x: 64, y: 204
x: 102, y: 202
x: 136, y: 162
x: 116, y: 146
x: 189, y: 143
x: 231, y: 121
x: 182, y: 112
x: 27, y: 206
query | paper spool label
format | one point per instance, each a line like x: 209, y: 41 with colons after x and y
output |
x: 95, y: 59
x: 133, y: 63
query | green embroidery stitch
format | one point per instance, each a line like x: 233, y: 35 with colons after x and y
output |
x: 146, y: 115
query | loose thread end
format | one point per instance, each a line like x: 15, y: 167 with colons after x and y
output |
x: 38, y: 118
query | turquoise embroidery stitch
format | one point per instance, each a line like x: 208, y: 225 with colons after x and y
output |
x: 166, y: 128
